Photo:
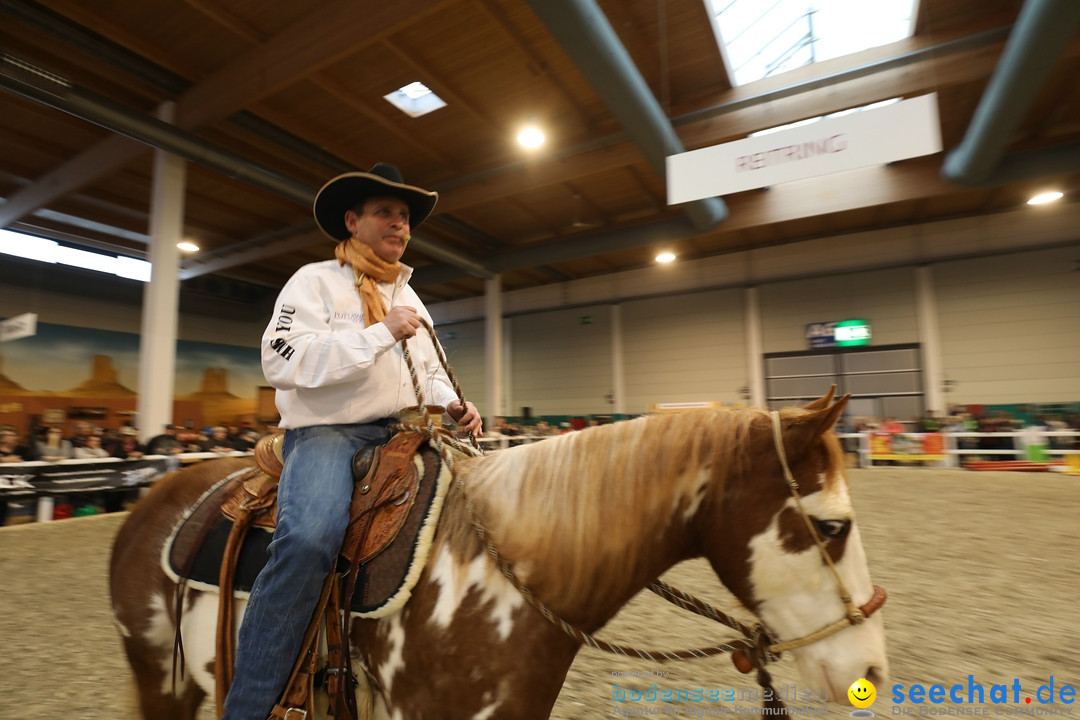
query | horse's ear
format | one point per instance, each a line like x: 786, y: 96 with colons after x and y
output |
x: 824, y: 418
x: 813, y: 425
x: 822, y: 401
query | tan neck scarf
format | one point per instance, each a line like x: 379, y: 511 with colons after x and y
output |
x: 370, y: 269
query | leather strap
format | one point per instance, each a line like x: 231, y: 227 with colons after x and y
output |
x: 296, y: 701
x: 225, y: 655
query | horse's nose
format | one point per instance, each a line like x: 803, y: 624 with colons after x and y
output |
x: 875, y: 675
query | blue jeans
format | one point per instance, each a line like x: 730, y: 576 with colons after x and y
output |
x: 313, y: 511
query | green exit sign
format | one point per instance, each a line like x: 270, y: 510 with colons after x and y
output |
x: 850, y: 333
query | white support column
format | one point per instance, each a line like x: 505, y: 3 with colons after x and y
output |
x: 929, y: 340
x: 507, y: 367
x: 493, y: 348
x: 161, y: 296
x: 618, y: 375
x: 754, y: 353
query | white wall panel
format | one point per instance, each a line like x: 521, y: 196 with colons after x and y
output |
x: 561, y: 366
x: 884, y: 297
x: 689, y: 348
x: 464, y: 347
x: 1010, y: 327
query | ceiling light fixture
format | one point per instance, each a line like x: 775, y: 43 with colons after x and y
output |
x: 531, y: 137
x: 188, y: 247
x: 1045, y: 197
x: 665, y: 257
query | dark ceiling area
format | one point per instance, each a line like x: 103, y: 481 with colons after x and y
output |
x: 270, y: 100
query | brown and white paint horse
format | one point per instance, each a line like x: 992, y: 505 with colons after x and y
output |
x: 587, y: 519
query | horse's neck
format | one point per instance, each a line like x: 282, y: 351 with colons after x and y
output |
x: 586, y: 562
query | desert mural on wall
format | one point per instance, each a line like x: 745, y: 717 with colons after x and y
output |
x: 90, y: 371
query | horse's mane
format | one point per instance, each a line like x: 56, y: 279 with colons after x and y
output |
x: 574, y: 506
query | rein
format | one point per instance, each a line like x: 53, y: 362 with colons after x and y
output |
x: 754, y: 650
x: 438, y: 438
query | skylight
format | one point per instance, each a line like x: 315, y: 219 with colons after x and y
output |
x: 415, y: 99
x: 761, y: 39
x: 31, y: 247
x: 841, y: 113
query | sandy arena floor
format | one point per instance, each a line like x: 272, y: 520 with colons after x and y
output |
x: 979, y: 569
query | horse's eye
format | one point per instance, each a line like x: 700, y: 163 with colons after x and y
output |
x: 833, y: 529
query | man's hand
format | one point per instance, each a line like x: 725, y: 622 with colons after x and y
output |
x: 402, y: 321
x: 467, y: 417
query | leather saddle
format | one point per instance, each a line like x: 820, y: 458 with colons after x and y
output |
x: 385, y: 489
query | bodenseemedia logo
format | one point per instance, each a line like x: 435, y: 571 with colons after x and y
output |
x: 974, y: 698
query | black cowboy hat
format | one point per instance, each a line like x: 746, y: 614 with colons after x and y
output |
x: 345, y: 192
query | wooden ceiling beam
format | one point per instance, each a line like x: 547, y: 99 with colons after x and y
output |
x: 229, y: 21
x: 346, y: 97
x: 334, y: 88
x: 961, y: 68
x: 524, y: 177
x: 195, y: 268
x: 84, y: 14
x: 441, y: 86
x: 965, y: 67
x: 314, y: 42
x: 299, y: 50
x: 538, y: 64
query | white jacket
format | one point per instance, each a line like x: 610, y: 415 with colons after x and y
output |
x: 328, y: 368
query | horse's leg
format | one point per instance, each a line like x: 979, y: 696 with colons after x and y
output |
x: 143, y: 596
x: 153, y: 686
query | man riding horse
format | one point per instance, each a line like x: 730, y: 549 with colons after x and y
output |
x: 333, y: 351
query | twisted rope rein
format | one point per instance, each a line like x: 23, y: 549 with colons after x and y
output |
x: 671, y: 594
x: 757, y: 646
x: 441, y: 440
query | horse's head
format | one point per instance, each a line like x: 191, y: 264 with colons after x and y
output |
x: 764, y: 550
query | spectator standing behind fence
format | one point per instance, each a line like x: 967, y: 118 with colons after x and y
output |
x: 91, y: 449
x: 892, y: 426
x: 52, y: 446
x: 127, y: 446
x: 83, y: 430
x: 218, y: 442
x: 165, y: 444
x: 11, y: 451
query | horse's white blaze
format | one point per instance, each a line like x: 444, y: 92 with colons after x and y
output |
x: 455, y: 581
x: 395, y: 658
x: 795, y: 610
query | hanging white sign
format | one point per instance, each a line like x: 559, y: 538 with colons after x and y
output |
x: 19, y: 326
x: 907, y: 129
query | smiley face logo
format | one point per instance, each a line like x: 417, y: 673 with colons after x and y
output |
x: 862, y: 693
